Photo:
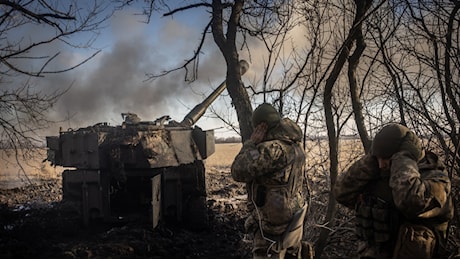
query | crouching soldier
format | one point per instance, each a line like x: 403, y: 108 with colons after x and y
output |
x: 401, y: 196
x: 271, y: 164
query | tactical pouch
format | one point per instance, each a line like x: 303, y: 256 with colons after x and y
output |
x: 277, y: 208
x: 381, y: 224
x: 364, y: 226
x: 415, y: 241
x: 373, y: 219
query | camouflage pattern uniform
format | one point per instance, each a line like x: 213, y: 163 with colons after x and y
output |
x: 402, y: 212
x: 273, y: 170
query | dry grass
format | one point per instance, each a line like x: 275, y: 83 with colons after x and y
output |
x: 224, y: 155
x: 316, y: 150
x: 21, y: 169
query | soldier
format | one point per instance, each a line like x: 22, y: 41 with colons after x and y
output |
x: 271, y: 164
x: 401, y: 196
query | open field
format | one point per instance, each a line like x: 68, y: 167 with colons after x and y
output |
x: 17, y: 170
x: 224, y: 155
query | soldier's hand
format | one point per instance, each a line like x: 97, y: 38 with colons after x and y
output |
x: 259, y: 132
x: 412, y: 144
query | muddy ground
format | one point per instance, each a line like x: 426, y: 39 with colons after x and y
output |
x: 35, y: 223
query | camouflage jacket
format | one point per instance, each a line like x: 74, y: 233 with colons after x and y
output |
x: 419, y: 192
x: 423, y: 190
x: 273, y: 171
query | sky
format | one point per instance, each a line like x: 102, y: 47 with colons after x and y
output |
x: 115, y: 80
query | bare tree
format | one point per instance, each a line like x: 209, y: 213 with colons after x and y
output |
x: 438, y: 30
x: 261, y: 18
x: 419, y: 52
x: 23, y: 109
x: 227, y: 45
x: 57, y: 21
x: 355, y: 34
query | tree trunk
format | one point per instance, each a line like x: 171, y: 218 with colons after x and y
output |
x: 353, y: 62
x: 361, y: 7
x: 227, y: 46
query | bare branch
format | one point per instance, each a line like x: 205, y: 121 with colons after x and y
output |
x: 187, y: 62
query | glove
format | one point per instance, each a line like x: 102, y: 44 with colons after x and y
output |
x: 412, y: 144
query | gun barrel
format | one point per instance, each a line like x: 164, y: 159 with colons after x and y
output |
x: 198, y: 111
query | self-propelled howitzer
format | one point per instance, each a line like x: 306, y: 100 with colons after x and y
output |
x: 138, y: 169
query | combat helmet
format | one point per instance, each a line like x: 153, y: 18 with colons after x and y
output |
x: 265, y: 113
x: 388, y: 140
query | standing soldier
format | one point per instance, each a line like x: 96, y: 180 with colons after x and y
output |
x: 272, y: 164
x: 401, y: 195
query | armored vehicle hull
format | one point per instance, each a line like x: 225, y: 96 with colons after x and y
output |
x: 135, y: 168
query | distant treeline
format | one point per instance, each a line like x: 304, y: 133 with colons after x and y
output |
x: 237, y: 139
x: 225, y: 140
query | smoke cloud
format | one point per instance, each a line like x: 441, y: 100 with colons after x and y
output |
x: 115, y: 80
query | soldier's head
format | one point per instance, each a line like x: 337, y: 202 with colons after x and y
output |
x: 390, y: 139
x: 278, y: 129
x: 266, y: 113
